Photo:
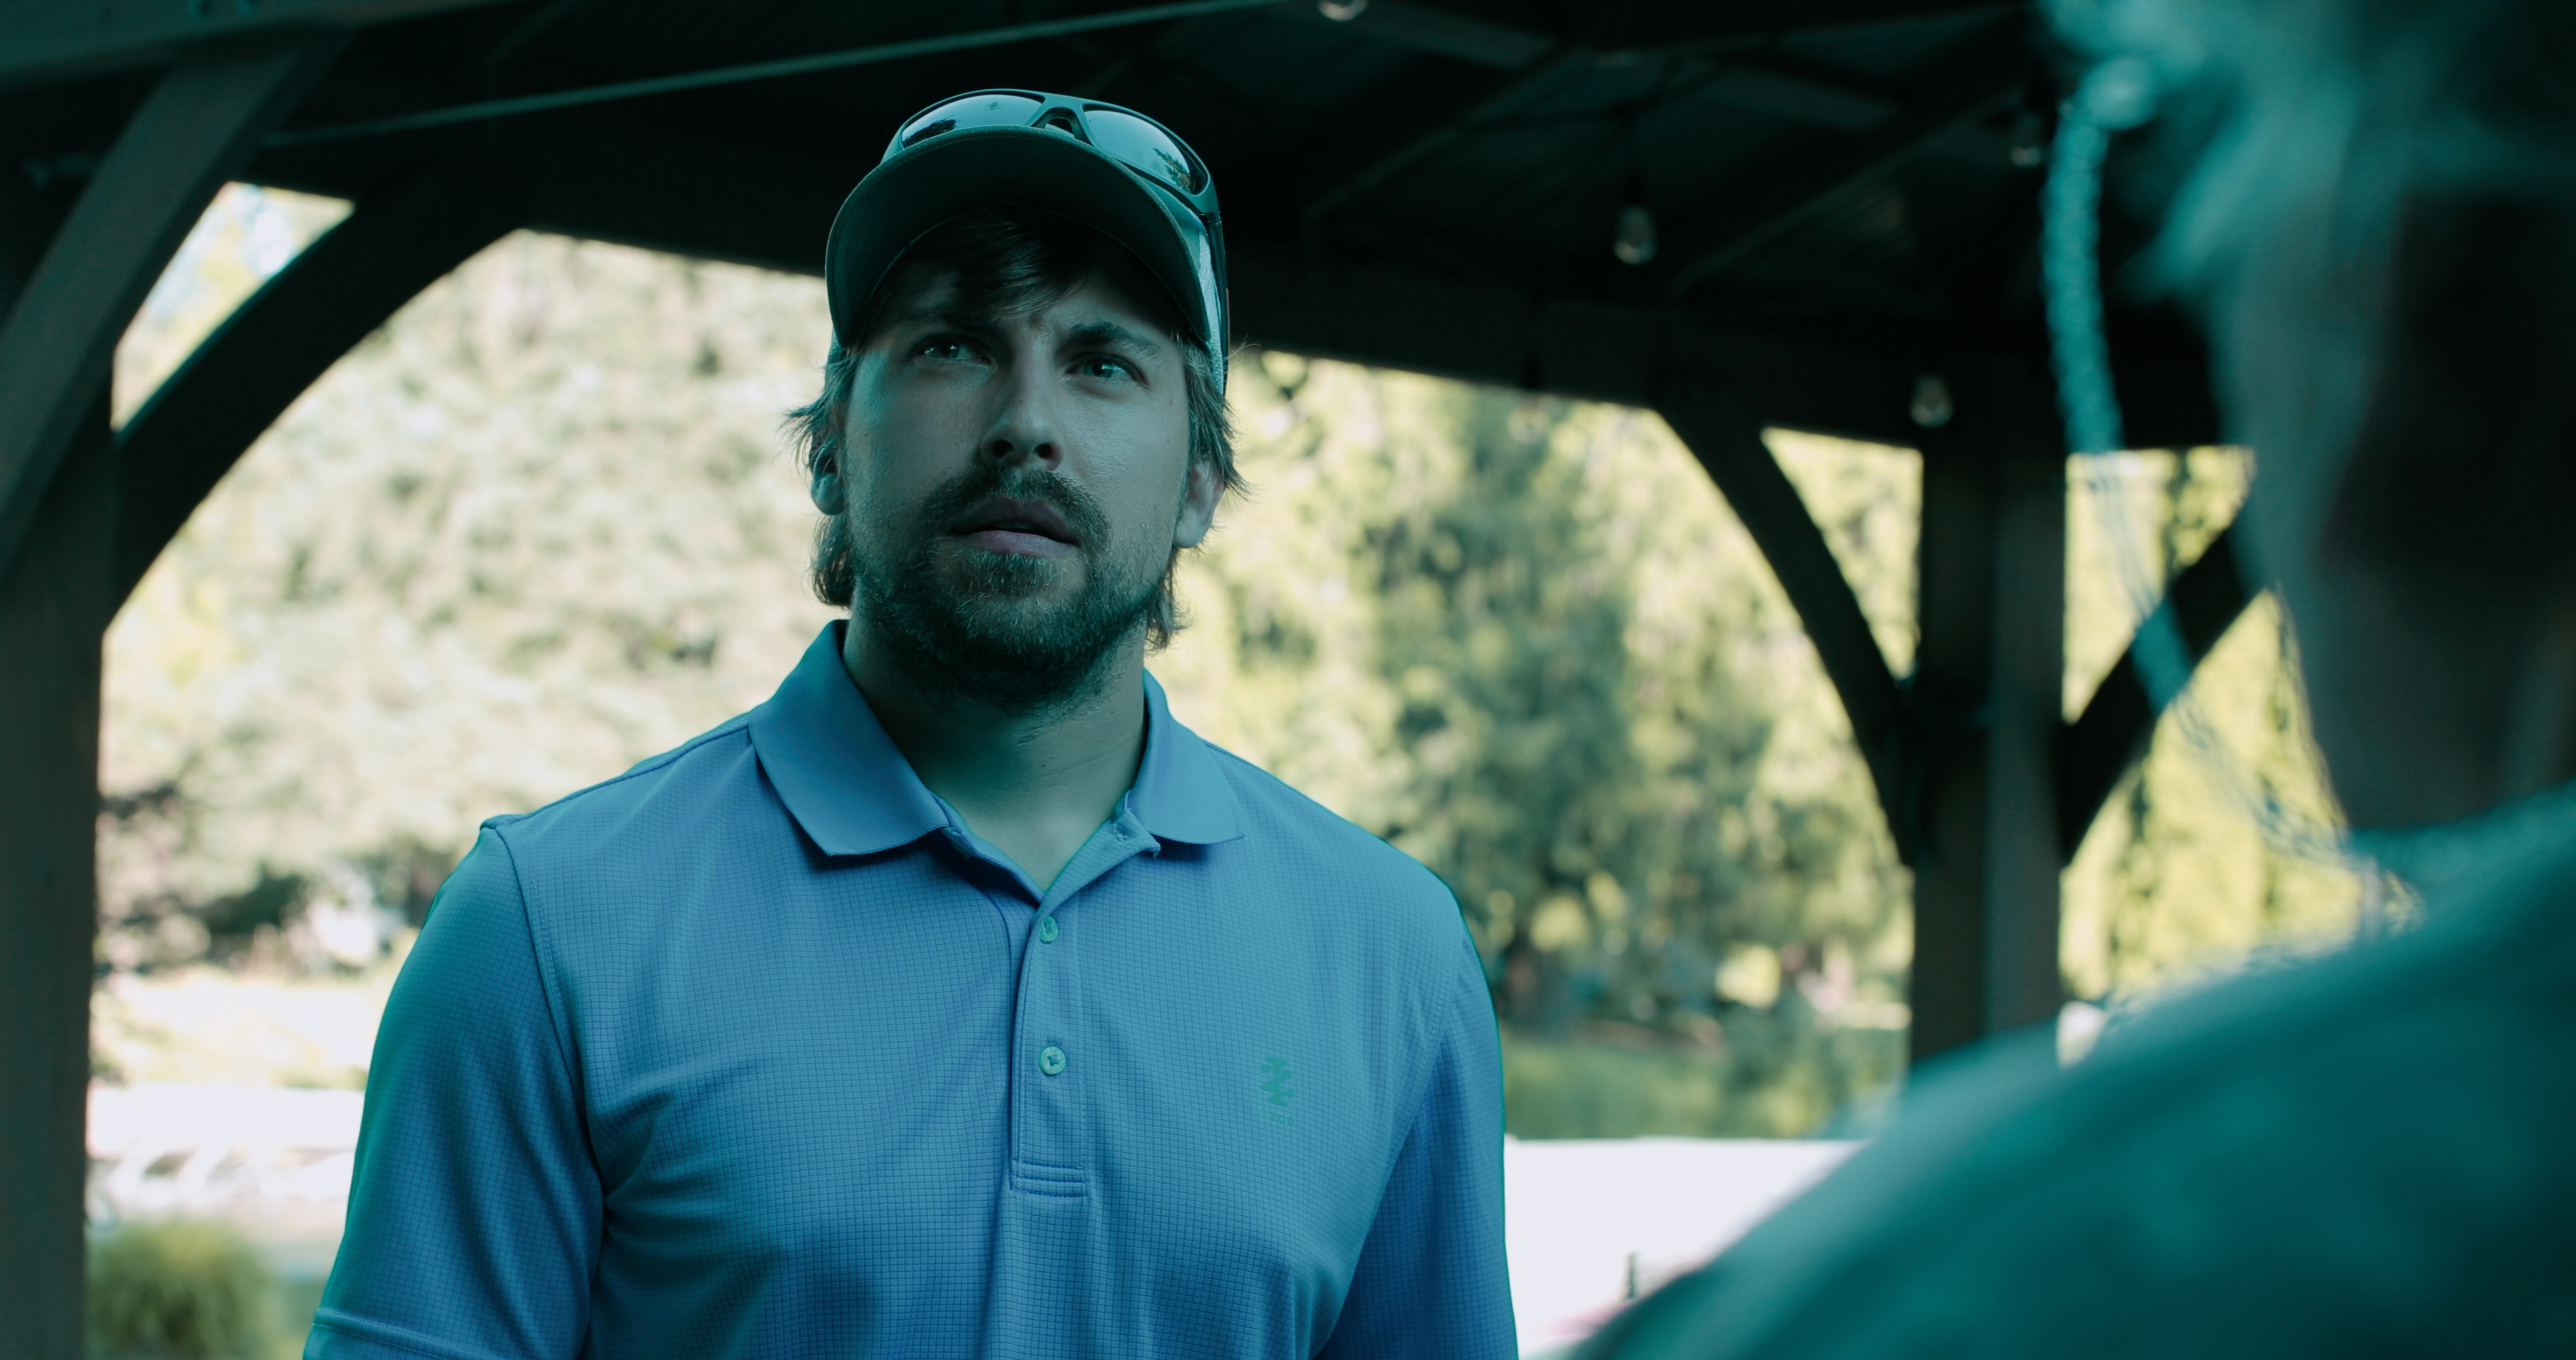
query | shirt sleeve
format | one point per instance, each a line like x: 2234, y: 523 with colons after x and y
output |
x: 474, y: 1211
x: 1432, y: 1278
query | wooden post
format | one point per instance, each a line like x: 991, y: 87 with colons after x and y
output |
x: 54, y: 606
x: 2025, y: 701
x: 1987, y: 705
x: 58, y: 532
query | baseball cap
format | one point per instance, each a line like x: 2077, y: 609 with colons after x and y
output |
x: 1111, y: 168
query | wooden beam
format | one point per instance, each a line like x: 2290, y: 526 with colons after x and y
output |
x: 1426, y: 116
x: 592, y: 174
x: 1756, y: 207
x: 51, y: 40
x: 196, y: 127
x: 2100, y: 746
x: 1728, y: 442
x: 1714, y: 29
x: 1636, y: 355
x: 2160, y: 364
x: 1628, y: 30
x: 1439, y: 32
x: 189, y: 434
x: 748, y: 73
x: 1801, y: 98
x: 748, y: 205
x: 592, y: 177
x: 1432, y: 110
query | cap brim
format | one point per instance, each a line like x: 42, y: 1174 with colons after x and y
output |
x: 957, y: 172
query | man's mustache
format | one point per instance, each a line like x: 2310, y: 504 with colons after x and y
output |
x: 957, y: 496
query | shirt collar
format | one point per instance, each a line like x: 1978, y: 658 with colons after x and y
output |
x: 1180, y: 794
x: 832, y: 763
x: 852, y: 791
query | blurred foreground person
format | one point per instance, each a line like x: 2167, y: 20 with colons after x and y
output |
x: 2370, y: 1154
x: 957, y: 1001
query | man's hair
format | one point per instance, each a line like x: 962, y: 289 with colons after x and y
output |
x: 1005, y: 259
x: 2381, y: 223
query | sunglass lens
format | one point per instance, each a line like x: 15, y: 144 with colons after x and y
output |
x: 1146, y: 147
x: 974, y: 111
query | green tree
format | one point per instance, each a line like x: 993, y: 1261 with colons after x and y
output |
x: 1609, y: 874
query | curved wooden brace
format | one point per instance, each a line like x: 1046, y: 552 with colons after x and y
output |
x: 196, y: 127
x: 183, y: 441
x: 2096, y: 750
x: 1729, y: 444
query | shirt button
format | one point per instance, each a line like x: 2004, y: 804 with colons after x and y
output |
x: 1050, y: 1060
x: 1047, y: 931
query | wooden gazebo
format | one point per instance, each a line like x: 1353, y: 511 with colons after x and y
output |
x: 1843, y: 200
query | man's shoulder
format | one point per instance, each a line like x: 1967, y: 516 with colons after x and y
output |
x: 681, y: 786
x: 1304, y: 837
x: 2253, y: 1156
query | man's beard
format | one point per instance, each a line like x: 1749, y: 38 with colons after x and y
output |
x: 968, y: 623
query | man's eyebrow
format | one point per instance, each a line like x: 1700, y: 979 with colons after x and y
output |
x: 1111, y: 333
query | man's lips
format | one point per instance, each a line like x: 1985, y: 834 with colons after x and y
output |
x: 1007, y: 525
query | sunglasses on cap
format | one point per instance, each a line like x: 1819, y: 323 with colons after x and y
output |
x: 1148, y: 150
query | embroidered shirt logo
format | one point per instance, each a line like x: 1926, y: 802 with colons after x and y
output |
x: 1277, y: 1089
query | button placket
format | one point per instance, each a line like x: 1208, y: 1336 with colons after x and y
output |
x: 1048, y: 1118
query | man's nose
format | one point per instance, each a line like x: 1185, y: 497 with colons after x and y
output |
x: 1026, y: 426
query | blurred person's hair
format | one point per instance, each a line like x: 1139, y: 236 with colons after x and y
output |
x: 2381, y: 227
x: 1006, y: 260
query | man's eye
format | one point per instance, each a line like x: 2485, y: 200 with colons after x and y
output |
x: 1107, y: 368
x: 947, y: 349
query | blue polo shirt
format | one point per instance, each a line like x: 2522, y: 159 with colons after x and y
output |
x: 757, y: 1050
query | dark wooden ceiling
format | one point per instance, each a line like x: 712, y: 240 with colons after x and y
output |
x: 1430, y: 184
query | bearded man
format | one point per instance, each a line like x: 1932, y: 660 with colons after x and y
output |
x: 957, y: 1001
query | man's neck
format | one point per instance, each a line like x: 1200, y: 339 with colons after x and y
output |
x: 1034, y: 784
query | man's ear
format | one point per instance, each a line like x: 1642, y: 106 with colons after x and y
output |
x: 1200, y: 491
x: 825, y: 489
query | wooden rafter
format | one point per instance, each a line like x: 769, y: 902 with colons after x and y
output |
x: 51, y: 40
x: 193, y: 130
x: 1760, y: 205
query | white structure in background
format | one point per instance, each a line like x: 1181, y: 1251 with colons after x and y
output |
x: 272, y: 1160
x: 1592, y: 1223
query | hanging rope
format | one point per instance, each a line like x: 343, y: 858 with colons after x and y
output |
x: 2117, y: 95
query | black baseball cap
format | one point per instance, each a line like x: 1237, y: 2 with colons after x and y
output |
x: 1108, y: 167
